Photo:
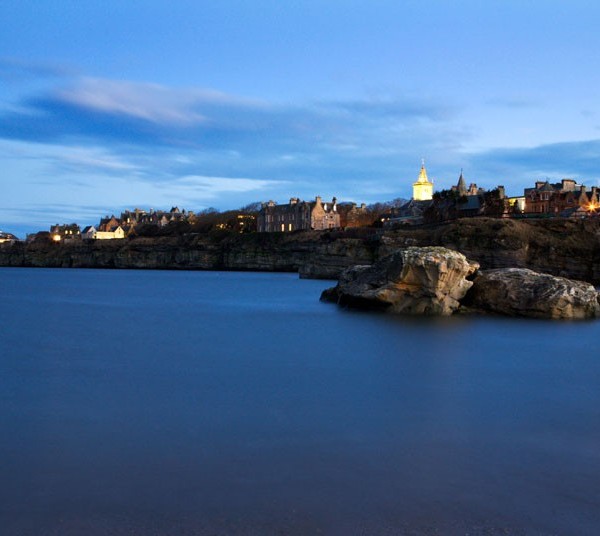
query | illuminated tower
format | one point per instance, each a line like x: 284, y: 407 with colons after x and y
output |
x: 422, y: 189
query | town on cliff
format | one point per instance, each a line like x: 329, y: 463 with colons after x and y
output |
x: 564, y: 199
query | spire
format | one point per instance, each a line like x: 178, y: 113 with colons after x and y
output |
x: 462, y: 185
x: 423, y: 172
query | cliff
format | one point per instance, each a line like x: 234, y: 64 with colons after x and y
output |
x: 559, y: 247
x: 280, y: 252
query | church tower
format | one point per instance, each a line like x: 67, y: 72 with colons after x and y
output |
x: 422, y: 189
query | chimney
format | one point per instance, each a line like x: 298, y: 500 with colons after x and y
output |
x: 318, y: 200
x: 293, y: 200
x: 501, y: 192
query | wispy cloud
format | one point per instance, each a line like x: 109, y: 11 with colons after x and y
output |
x: 217, y: 185
x: 150, y: 114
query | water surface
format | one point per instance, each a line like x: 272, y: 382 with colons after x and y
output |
x: 147, y: 402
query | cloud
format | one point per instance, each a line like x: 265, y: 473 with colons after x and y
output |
x: 154, y: 103
x: 151, y: 114
x: 354, y: 148
x: 519, y: 167
x: 217, y: 185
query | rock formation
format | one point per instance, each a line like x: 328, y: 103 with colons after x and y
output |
x: 416, y: 281
x: 522, y: 292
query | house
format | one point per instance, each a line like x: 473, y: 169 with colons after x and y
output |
x: 353, y: 215
x: 66, y: 232
x: 411, y: 213
x: 154, y: 217
x: 89, y: 233
x: 108, y: 224
x: 298, y: 215
x: 110, y: 235
x: 7, y: 238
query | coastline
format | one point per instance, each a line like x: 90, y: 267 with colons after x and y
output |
x: 556, y: 246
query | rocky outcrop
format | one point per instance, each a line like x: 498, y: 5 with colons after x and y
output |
x: 415, y: 280
x: 522, y: 292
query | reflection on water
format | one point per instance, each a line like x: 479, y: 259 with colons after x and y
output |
x: 139, y: 402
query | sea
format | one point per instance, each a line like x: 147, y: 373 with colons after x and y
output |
x: 236, y: 403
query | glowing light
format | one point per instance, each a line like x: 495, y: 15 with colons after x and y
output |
x: 56, y: 237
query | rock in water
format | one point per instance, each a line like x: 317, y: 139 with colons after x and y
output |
x: 414, y: 281
x: 523, y: 292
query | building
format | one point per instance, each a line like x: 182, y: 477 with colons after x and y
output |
x: 91, y: 233
x: 7, y: 238
x: 66, y: 232
x: 412, y: 212
x: 560, y: 198
x: 423, y: 188
x: 462, y: 190
x: 298, y: 215
x: 353, y: 215
x: 110, y: 235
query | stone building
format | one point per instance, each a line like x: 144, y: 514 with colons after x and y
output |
x: 564, y: 196
x: 298, y: 215
x: 353, y: 215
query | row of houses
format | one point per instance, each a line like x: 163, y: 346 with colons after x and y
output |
x: 113, y: 227
x: 317, y: 215
x: 566, y: 198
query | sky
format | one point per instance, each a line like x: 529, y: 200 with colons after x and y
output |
x: 107, y: 105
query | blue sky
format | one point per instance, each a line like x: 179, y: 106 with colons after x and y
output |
x: 106, y: 105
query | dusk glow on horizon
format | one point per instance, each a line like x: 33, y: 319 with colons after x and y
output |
x: 112, y: 105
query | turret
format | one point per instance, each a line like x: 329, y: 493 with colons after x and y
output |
x: 422, y: 189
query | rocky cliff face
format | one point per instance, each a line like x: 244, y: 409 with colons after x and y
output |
x: 318, y: 255
x: 559, y: 247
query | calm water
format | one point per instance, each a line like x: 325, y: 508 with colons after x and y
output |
x: 140, y: 402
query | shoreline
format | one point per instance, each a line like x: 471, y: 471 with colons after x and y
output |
x: 559, y: 247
